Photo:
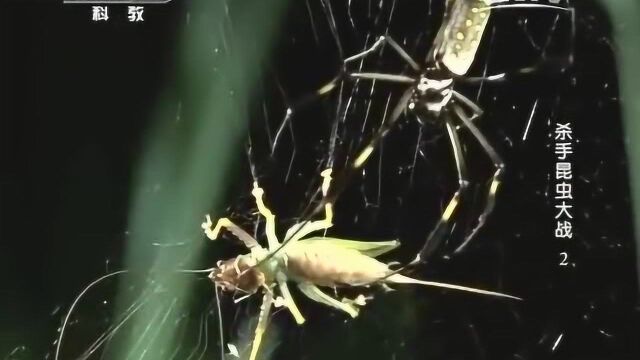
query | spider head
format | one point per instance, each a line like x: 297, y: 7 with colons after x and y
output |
x: 431, y: 95
x: 237, y: 274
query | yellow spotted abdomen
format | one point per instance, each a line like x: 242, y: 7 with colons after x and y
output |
x: 466, y: 21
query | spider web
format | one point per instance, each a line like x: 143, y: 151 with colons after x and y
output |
x: 401, y: 192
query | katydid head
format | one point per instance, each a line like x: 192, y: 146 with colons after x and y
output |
x: 236, y: 274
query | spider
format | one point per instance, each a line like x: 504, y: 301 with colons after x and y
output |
x: 431, y: 97
x: 311, y: 262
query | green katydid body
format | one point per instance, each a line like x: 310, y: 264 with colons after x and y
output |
x: 329, y: 262
x: 332, y: 262
x: 310, y: 262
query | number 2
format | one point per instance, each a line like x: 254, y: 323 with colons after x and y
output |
x: 564, y: 256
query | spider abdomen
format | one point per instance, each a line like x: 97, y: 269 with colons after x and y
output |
x: 331, y: 265
x: 462, y: 33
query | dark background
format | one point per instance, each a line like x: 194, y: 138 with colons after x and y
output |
x: 77, y: 97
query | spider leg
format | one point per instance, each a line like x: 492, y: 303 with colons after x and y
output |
x: 383, y: 77
x: 263, y: 321
x: 363, y: 156
x: 477, y: 111
x: 547, y: 65
x: 272, y: 239
x: 299, y: 231
x: 504, y: 76
x: 382, y: 40
x: 366, y: 152
x: 333, y: 84
x: 495, y: 180
x: 314, y: 293
x: 439, y: 232
x: 554, y: 65
x: 237, y: 231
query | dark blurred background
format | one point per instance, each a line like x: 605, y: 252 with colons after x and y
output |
x: 79, y: 96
